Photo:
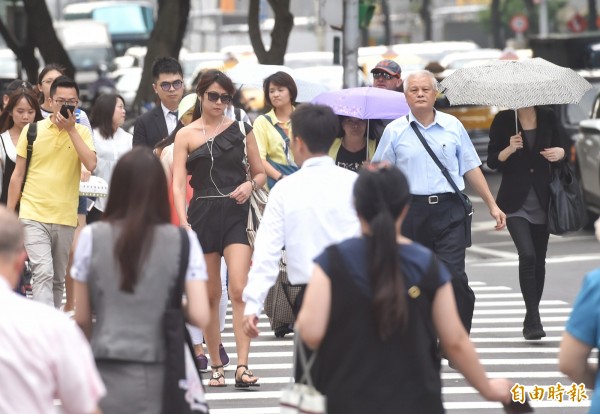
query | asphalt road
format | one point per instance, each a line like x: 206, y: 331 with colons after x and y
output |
x: 492, y: 266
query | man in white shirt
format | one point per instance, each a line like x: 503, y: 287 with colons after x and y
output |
x: 306, y: 212
x: 44, y: 355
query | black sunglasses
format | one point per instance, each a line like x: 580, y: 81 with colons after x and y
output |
x: 214, y: 97
x: 384, y: 75
x: 166, y: 86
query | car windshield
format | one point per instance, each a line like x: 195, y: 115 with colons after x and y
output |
x: 125, y: 19
x: 89, y: 58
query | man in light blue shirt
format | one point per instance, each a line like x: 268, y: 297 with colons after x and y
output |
x: 437, y: 218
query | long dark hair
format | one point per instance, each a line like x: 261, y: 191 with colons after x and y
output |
x: 138, y: 200
x: 103, y: 112
x: 380, y: 196
x: 6, y: 120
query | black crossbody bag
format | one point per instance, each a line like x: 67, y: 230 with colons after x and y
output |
x: 463, y: 197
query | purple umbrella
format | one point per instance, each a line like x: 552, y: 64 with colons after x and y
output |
x: 365, y: 103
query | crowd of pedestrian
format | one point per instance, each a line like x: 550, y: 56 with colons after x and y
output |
x: 175, y: 220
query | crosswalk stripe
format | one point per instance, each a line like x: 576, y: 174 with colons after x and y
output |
x: 545, y: 319
x: 514, y: 339
x: 517, y: 303
x: 480, y: 312
x: 489, y: 288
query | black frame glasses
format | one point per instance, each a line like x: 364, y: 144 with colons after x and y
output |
x: 166, y: 86
x: 214, y: 97
x: 61, y: 102
x: 384, y: 75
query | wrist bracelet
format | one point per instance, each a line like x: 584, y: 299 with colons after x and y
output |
x: 253, y: 184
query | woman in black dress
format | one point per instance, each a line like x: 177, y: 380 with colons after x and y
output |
x: 213, y: 149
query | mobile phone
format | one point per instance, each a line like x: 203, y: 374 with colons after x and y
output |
x: 515, y: 407
x: 65, y: 108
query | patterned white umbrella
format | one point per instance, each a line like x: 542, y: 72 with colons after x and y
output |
x: 515, y: 84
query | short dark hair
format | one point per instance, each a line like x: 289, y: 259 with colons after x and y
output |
x: 317, y: 125
x: 214, y: 76
x: 166, y: 65
x: 102, y: 114
x: 280, y: 79
x: 63, y: 82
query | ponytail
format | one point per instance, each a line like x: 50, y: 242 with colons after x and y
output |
x: 380, y: 197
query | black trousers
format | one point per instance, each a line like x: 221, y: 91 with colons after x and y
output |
x: 531, y: 241
x: 441, y: 227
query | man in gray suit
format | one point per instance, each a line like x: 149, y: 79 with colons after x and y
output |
x: 159, y: 122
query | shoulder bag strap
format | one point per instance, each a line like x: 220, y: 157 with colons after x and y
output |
x: 281, y: 132
x: 3, y: 161
x: 31, y: 137
x: 467, y: 207
x: 184, y: 259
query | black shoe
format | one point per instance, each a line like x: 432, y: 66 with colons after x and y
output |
x: 283, y: 331
x: 533, y: 329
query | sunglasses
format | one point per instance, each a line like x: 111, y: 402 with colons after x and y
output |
x: 384, y: 75
x: 166, y: 86
x: 214, y: 97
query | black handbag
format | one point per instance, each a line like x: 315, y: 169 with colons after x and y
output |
x: 177, y: 338
x: 566, y: 209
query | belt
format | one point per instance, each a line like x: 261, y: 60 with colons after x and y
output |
x: 433, y: 198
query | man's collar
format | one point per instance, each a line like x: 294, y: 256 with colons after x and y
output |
x: 4, y: 286
x: 165, y: 109
x: 438, y: 118
x: 318, y: 160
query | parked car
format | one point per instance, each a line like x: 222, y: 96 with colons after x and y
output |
x: 8, y: 67
x: 587, y: 158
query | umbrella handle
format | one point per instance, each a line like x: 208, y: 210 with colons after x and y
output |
x: 516, y: 123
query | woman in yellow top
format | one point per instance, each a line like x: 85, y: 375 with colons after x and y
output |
x: 272, y: 130
x: 353, y: 148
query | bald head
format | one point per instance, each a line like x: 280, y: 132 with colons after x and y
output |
x: 11, y: 246
x: 11, y: 232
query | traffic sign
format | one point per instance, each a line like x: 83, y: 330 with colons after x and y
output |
x: 519, y: 23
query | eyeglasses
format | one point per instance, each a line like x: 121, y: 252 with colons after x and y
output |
x: 214, y: 97
x: 384, y: 75
x: 166, y: 86
x: 61, y: 102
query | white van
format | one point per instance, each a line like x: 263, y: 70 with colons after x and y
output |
x: 129, y: 22
x: 88, y: 44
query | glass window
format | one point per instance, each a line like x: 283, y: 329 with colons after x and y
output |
x: 125, y: 19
